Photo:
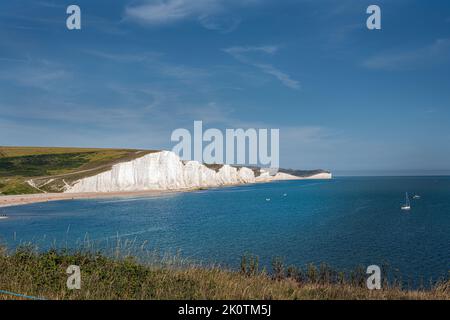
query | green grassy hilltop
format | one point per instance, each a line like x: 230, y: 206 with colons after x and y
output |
x: 26, y: 170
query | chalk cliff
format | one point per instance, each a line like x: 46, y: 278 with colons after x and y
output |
x: 166, y: 171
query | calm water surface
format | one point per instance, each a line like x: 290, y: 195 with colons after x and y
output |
x: 344, y: 222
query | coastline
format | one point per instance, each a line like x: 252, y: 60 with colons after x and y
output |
x: 24, y: 199
x: 18, y: 200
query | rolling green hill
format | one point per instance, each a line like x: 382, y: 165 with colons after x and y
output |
x: 25, y: 170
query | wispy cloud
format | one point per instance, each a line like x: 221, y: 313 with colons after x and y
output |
x: 124, y: 57
x: 155, y: 62
x: 211, y: 113
x: 183, y: 73
x: 211, y: 14
x: 165, y: 12
x: 238, y: 52
x: 241, y: 54
x: 435, y: 53
x: 40, y: 74
x: 49, y: 19
x: 221, y: 23
x: 9, y: 59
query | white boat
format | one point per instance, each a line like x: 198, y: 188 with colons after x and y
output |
x: 416, y: 197
x: 407, y: 205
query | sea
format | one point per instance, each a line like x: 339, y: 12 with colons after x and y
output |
x: 346, y: 222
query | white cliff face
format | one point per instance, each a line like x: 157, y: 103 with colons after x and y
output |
x: 165, y: 171
x: 246, y: 175
x: 264, y: 176
x: 285, y: 176
x: 319, y: 176
x: 161, y: 171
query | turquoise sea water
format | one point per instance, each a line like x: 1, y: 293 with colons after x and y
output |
x: 345, y: 222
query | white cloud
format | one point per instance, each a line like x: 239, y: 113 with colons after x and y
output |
x: 242, y: 55
x: 238, y: 51
x: 154, y: 61
x: 183, y: 73
x: 40, y: 74
x: 124, y: 57
x: 211, y: 113
x: 435, y: 53
x: 212, y: 14
x: 222, y: 23
x: 281, y: 76
x: 169, y: 11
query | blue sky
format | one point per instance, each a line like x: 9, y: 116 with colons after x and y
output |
x: 344, y: 98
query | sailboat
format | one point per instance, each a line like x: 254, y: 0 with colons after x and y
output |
x: 3, y: 216
x: 407, y: 205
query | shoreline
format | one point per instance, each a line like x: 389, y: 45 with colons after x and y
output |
x: 24, y: 199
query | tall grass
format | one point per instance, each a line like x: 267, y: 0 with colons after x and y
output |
x: 122, y: 276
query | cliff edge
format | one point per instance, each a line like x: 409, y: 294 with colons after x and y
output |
x: 166, y: 171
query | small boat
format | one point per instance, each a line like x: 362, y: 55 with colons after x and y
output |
x: 267, y: 199
x: 407, y: 205
x: 416, y: 197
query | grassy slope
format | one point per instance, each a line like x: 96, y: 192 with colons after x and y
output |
x: 43, y: 275
x: 50, y: 168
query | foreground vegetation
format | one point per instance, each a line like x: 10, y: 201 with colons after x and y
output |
x: 43, y: 275
x: 50, y: 169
